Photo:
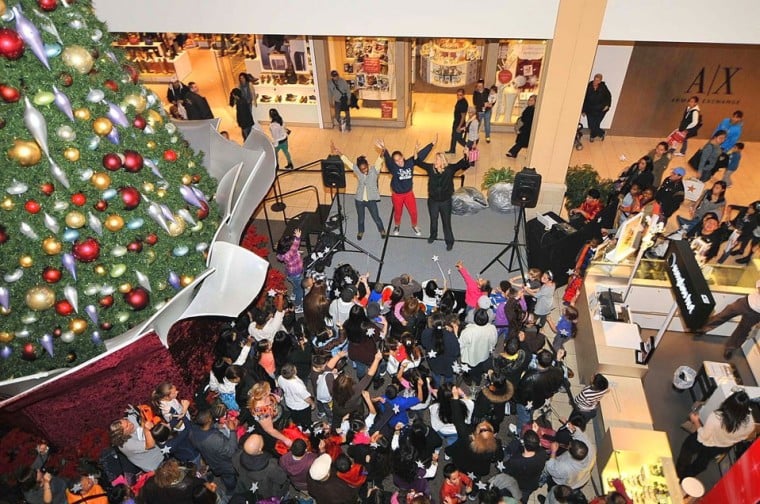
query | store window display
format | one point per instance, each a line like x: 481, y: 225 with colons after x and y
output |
x: 517, y: 77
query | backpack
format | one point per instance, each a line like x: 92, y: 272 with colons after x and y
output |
x: 323, y: 392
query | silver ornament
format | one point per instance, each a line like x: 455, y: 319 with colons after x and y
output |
x: 36, y: 124
x: 29, y: 318
x: 58, y: 173
x: 51, y: 223
x: 107, y: 290
x: 60, y: 206
x: 14, y: 276
x: 17, y: 188
x: 96, y: 35
x: 86, y: 174
x: 94, y: 223
x: 68, y: 336
x: 119, y: 251
x: 66, y: 133
x: 72, y: 296
x: 95, y: 95
x: 91, y: 289
x: 27, y: 231
x: 143, y: 280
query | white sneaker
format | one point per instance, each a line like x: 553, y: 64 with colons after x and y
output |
x: 416, y: 230
x: 299, y: 309
x: 678, y: 154
x: 396, y: 231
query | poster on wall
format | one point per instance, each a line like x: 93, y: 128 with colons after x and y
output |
x: 278, y: 53
x: 369, y: 60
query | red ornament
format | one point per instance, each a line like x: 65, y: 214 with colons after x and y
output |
x: 202, y: 212
x: 11, y: 44
x: 111, y: 161
x: 170, y: 155
x: 130, y: 197
x: 47, y: 188
x: 138, y: 298
x: 106, y: 326
x: 139, y: 122
x: 66, y: 79
x: 29, y: 353
x: 133, y: 161
x: 101, y: 206
x: 63, y: 308
x: 87, y: 250
x: 51, y: 275
x: 57, y: 332
x: 111, y: 85
x: 9, y: 94
x: 47, y: 5
x: 32, y: 206
x: 151, y: 239
x: 136, y: 246
x: 106, y: 301
x: 78, y: 199
x: 3, y: 235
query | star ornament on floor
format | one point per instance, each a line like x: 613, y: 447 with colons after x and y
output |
x: 254, y: 487
x: 500, y: 466
x: 432, y: 354
x: 435, y: 258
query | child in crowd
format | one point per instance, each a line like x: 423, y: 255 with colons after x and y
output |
x: 266, y: 357
x: 287, y: 253
x: 297, y: 397
x: 266, y: 325
x: 586, y: 403
x: 431, y: 295
x: 498, y: 301
x: 350, y: 472
x: 544, y: 298
x: 630, y: 204
x: 173, y: 411
x: 227, y: 387
x: 734, y: 157
x: 530, y: 285
x: 456, y: 486
x: 565, y: 328
x: 474, y: 288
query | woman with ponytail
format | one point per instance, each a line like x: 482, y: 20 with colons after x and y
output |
x: 442, y: 347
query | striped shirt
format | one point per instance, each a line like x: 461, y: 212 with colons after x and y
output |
x: 292, y: 258
x: 588, y: 398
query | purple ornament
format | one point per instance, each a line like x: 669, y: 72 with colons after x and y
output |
x: 113, y: 136
x: 62, y: 102
x: 92, y: 312
x: 152, y: 165
x: 112, y: 56
x: 199, y: 194
x: 47, y: 343
x: 167, y: 213
x: 30, y: 35
x: 5, y: 298
x: 189, y: 196
x: 116, y: 115
x: 6, y: 352
x: 70, y: 264
x: 96, y: 338
x: 174, y: 280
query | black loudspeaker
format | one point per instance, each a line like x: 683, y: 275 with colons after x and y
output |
x: 333, y: 172
x: 526, y: 188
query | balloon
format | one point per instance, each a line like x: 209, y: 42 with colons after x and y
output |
x: 63, y: 104
x: 31, y: 35
x: 36, y: 124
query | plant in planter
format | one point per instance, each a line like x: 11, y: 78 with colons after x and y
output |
x: 496, y: 175
x: 497, y: 182
x: 579, y: 180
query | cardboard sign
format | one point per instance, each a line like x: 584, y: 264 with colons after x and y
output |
x: 693, y: 295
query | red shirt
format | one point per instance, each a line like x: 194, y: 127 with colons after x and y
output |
x: 591, y: 208
x: 455, y: 493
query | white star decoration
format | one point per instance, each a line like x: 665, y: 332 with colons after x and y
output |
x: 347, y: 280
x: 564, y: 332
x: 165, y: 450
x: 254, y: 487
x: 420, y: 464
x: 271, y: 292
x: 471, y: 475
x: 371, y: 331
x: 435, y: 258
x: 396, y: 409
x: 432, y: 354
x: 513, y: 428
x: 529, y: 405
x: 320, y: 255
x: 456, y: 368
x: 570, y: 272
x: 465, y: 368
x: 481, y: 485
x: 500, y: 466
x: 250, y: 429
x: 76, y: 488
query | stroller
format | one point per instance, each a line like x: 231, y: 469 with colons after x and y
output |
x: 578, y: 137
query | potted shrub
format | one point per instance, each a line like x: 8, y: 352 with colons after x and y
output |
x: 579, y: 180
x: 496, y: 175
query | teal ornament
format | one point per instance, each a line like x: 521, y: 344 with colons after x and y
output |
x: 135, y: 223
x: 180, y: 251
x: 93, y: 143
x: 53, y: 50
x: 70, y: 235
x: 109, y: 194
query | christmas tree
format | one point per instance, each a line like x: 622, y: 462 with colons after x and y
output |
x: 105, y: 213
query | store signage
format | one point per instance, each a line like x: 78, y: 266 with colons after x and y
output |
x: 690, y: 288
x: 371, y: 65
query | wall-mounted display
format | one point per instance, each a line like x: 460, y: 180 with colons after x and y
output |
x: 517, y: 75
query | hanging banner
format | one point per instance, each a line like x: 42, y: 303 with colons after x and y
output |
x: 693, y: 295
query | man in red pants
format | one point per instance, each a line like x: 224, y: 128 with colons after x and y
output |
x: 748, y: 308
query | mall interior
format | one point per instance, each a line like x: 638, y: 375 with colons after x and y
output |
x: 405, y: 62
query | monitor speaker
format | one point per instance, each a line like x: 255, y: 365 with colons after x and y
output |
x: 526, y: 188
x: 333, y: 172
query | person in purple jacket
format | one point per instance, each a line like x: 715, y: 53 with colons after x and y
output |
x: 287, y: 253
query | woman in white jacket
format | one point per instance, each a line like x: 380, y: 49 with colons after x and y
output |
x: 440, y: 412
x: 279, y: 137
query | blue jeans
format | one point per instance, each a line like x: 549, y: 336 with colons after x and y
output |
x: 441, y: 379
x: 297, y: 288
x: 485, y: 119
x: 361, y: 369
x: 373, y: 212
x: 448, y: 439
x: 524, y: 416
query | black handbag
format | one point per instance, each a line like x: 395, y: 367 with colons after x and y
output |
x: 696, y: 159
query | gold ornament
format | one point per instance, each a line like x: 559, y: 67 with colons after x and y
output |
x: 151, y: 256
x: 40, y: 298
x: 2, y: 7
x: 100, y: 180
x: 151, y: 144
x: 25, y: 261
x: 25, y: 153
x: 6, y: 337
x: 114, y: 223
x: 102, y: 126
x: 161, y: 285
x: 125, y: 287
x: 7, y: 204
x: 78, y: 58
x: 83, y: 114
x: 178, y: 227
x: 185, y: 280
x: 77, y: 325
x: 100, y: 270
x: 75, y: 219
x: 154, y: 119
x: 72, y: 154
x: 187, y: 179
x: 137, y: 101
x: 5, y: 311
x: 148, y: 187
x: 51, y: 246
x: 161, y: 193
x: 191, y: 164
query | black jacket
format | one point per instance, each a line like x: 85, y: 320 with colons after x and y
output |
x: 197, y: 107
x: 537, y: 386
x: 596, y: 99
x: 670, y: 195
x: 441, y: 185
x: 479, y: 99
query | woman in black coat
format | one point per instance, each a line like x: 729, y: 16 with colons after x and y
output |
x: 526, y: 124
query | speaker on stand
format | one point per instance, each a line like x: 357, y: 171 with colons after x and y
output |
x: 526, y: 188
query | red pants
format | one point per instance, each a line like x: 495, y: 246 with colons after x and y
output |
x: 404, y: 200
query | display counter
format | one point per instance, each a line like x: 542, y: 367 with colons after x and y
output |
x: 450, y: 62
x: 615, y: 409
x: 642, y: 460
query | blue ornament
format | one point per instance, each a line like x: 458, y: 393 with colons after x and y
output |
x: 135, y: 223
x: 109, y: 194
x: 53, y: 50
x: 180, y: 250
x: 70, y: 235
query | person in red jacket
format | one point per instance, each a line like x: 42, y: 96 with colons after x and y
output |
x: 351, y: 473
x: 455, y: 487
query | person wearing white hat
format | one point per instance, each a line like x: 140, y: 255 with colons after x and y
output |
x: 325, y: 487
x: 748, y: 308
